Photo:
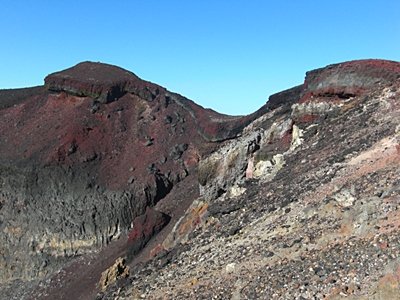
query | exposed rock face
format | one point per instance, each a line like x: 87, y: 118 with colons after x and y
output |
x: 100, y: 81
x: 349, y: 79
x: 304, y: 205
x: 300, y: 200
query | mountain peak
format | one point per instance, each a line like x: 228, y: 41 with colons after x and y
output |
x: 101, y: 81
x: 96, y: 72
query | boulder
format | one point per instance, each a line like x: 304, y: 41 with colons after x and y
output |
x: 144, y: 227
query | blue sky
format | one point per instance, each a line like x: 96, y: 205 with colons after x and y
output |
x: 226, y: 55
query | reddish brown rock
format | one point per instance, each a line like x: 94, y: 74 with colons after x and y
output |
x: 144, y: 227
x: 84, y: 155
x: 104, y: 82
x: 349, y: 79
x: 99, y: 145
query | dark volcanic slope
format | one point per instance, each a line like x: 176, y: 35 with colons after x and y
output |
x: 85, y: 154
x: 305, y: 188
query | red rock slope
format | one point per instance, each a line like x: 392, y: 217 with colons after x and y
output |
x: 293, y: 200
x: 83, y: 155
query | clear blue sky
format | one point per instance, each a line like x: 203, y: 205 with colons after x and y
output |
x: 224, y: 54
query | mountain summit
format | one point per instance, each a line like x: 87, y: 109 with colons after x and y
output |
x: 101, y: 81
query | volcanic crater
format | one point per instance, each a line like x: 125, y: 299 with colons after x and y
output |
x: 98, y: 164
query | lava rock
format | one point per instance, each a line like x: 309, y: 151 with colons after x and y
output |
x: 144, y: 227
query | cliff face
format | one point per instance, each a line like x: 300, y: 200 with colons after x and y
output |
x: 299, y: 199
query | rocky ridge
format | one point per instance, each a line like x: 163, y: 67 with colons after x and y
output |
x: 299, y: 200
x: 304, y: 205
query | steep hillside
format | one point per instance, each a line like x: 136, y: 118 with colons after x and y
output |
x: 83, y: 155
x: 304, y: 205
x: 299, y: 200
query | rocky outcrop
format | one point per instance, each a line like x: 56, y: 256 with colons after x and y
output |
x: 349, y: 79
x: 105, y: 83
x: 117, y: 271
x: 144, y: 227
